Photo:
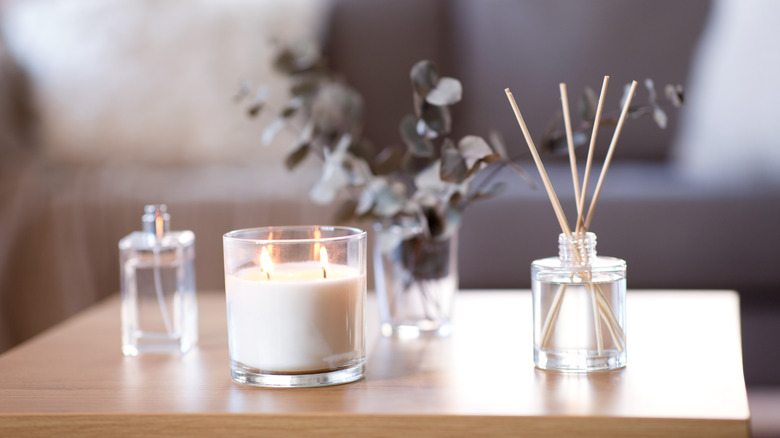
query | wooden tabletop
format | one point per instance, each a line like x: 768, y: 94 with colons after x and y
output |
x: 684, y: 378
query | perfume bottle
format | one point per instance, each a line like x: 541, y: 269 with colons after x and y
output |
x: 159, y: 308
x: 579, y: 308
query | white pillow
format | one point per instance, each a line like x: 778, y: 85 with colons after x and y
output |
x: 152, y: 81
x: 730, y: 119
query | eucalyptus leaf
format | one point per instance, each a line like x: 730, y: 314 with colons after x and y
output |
x: 424, y: 131
x: 334, y: 176
x: 419, y: 104
x: 453, y: 165
x: 358, y: 169
x: 412, y: 164
x: 390, y: 200
x: 498, y: 144
x: 473, y: 149
x: 418, y: 145
x: 326, y: 189
x: 299, y: 56
x: 305, y: 85
x: 297, y: 156
x: 553, y: 142
x: 388, y: 160
x: 259, y: 100
x: 456, y: 198
x: 254, y: 109
x: 292, y: 107
x: 429, y: 179
x: 554, y: 138
x: 363, y: 149
x: 660, y: 117
x: 337, y: 108
x: 432, y: 191
x: 424, y: 76
x: 448, y: 91
x: 437, y: 119
x: 579, y: 138
x: 271, y: 130
x: 385, y: 197
x: 306, y: 134
x: 368, y: 195
x: 675, y: 94
x: 244, y: 89
x: 588, y: 104
x: 652, y: 96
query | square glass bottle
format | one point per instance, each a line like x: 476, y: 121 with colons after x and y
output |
x: 159, y: 307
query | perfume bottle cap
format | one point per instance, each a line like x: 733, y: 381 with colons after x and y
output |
x: 156, y: 220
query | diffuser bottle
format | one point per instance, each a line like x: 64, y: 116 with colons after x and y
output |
x: 579, y: 308
x: 159, y: 309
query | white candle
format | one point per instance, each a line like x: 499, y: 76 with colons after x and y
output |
x: 292, y: 319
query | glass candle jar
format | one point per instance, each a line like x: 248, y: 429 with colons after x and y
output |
x: 296, y: 305
x: 579, y: 308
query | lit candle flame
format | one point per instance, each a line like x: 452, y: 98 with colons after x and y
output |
x: 324, y: 261
x: 266, y: 265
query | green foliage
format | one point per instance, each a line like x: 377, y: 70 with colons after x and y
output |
x: 554, y: 138
x: 422, y: 185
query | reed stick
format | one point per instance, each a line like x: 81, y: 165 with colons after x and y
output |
x: 575, y: 181
x: 591, y: 148
x: 607, y: 314
x: 608, y: 159
x: 570, y: 143
x: 610, y: 314
x: 552, y: 315
x: 597, y: 322
x: 538, y: 161
x: 555, y: 308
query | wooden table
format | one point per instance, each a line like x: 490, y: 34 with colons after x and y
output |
x: 684, y: 378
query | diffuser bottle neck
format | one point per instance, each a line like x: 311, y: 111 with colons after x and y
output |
x: 577, y: 249
x: 156, y: 220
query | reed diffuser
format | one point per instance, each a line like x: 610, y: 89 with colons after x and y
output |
x: 579, y: 297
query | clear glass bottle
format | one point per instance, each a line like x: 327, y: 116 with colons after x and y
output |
x: 579, y: 308
x: 159, y: 308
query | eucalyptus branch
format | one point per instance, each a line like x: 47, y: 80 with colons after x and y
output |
x: 554, y: 139
x: 482, y: 184
x: 421, y: 178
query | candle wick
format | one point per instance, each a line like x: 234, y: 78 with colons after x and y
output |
x: 267, y: 274
x: 324, y: 273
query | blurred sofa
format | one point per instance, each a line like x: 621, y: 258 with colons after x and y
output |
x: 111, y: 106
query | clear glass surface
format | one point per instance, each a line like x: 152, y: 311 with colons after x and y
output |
x: 579, y: 310
x: 416, y: 281
x: 296, y: 317
x: 159, y: 308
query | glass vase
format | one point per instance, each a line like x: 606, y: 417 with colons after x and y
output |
x: 579, y: 308
x: 416, y: 279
